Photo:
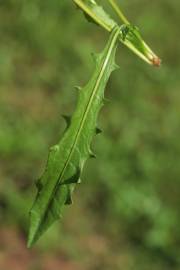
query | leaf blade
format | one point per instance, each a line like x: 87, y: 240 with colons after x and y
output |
x: 66, y: 160
x: 133, y: 38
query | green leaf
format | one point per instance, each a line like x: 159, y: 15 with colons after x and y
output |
x: 95, y: 13
x: 67, y: 158
x: 130, y: 35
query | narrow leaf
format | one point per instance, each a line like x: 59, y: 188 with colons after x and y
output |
x: 67, y: 158
x: 96, y: 13
x: 130, y: 35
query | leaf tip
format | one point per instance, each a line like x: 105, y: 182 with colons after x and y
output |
x: 98, y: 131
x: 67, y: 119
x: 78, y: 88
x: 31, y: 240
x: 91, y: 154
x: 34, y: 233
x: 29, y: 244
x: 156, y: 61
x: 105, y: 100
x: 116, y: 67
x: 96, y: 57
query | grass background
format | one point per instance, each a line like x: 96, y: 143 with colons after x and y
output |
x: 126, y: 211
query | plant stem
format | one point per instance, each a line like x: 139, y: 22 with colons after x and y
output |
x: 150, y: 57
x: 89, y: 7
x: 118, y: 11
x: 91, y: 14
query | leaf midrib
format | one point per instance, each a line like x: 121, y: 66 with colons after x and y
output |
x: 90, y: 102
x: 114, y: 38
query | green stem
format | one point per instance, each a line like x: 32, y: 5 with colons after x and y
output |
x: 147, y: 55
x: 118, y: 11
x: 150, y: 57
x: 91, y: 14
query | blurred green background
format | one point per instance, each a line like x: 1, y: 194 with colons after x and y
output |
x: 126, y: 211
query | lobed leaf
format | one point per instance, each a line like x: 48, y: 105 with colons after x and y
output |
x: 67, y: 158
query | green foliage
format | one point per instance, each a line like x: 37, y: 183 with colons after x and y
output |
x: 126, y: 212
x: 130, y: 35
x: 66, y: 159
